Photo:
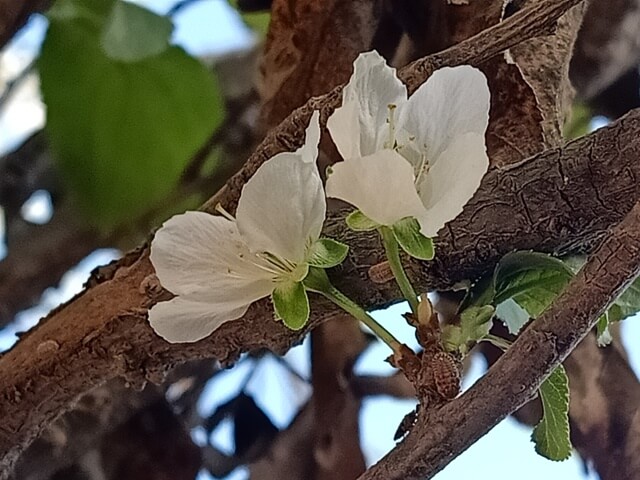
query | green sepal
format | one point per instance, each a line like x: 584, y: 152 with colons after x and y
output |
x: 132, y: 33
x: 407, y: 234
x: 359, y: 222
x: 551, y: 435
x: 291, y: 304
x: 326, y: 253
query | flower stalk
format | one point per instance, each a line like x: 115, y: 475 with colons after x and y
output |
x: 392, y: 250
x: 318, y: 282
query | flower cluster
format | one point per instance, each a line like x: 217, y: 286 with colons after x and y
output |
x: 410, y: 165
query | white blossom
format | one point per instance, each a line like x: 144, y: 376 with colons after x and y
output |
x: 422, y: 156
x: 217, y: 265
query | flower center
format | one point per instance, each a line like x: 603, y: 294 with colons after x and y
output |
x: 406, y: 147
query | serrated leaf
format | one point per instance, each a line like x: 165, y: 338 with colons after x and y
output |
x: 291, y: 304
x: 121, y: 133
x: 132, y: 33
x: 359, y: 222
x: 551, y: 435
x: 327, y: 253
x: 407, y: 234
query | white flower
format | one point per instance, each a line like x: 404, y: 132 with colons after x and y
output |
x: 422, y: 157
x: 217, y: 266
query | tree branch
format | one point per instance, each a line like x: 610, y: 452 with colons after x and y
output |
x: 103, y: 332
x: 441, y: 435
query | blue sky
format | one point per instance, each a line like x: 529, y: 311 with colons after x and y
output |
x: 210, y: 28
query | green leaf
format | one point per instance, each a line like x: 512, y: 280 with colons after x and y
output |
x: 407, y: 234
x: 121, y: 133
x: 551, y: 435
x: 327, y: 253
x: 475, y: 322
x: 533, y: 280
x: 132, y: 33
x: 359, y: 222
x: 291, y: 304
x: 627, y: 304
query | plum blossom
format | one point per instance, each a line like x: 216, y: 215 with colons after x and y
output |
x: 422, y: 156
x: 218, y: 265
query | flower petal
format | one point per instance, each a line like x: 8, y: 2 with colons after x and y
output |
x: 452, y: 181
x: 358, y: 128
x: 184, y: 320
x: 309, y: 151
x: 282, y: 207
x: 380, y: 185
x: 452, y: 102
x: 196, y: 253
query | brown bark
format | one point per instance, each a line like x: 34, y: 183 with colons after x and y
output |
x: 100, y: 342
x: 109, y: 338
x: 441, y: 434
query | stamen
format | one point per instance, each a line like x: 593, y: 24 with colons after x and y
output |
x: 224, y: 213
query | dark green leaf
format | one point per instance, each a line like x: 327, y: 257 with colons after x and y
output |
x: 291, y: 304
x: 551, y: 435
x: 407, y: 234
x: 132, y: 33
x: 327, y: 253
x: 122, y: 133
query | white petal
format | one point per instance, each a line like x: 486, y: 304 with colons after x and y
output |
x: 452, y: 181
x: 452, y: 102
x: 380, y: 185
x: 185, y: 320
x: 309, y: 151
x: 282, y: 207
x: 344, y: 127
x: 372, y: 88
x: 197, y: 252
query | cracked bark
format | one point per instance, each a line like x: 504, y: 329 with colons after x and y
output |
x: 112, y: 338
x: 102, y: 343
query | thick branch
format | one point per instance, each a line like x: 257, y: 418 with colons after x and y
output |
x: 441, y: 435
x: 103, y: 332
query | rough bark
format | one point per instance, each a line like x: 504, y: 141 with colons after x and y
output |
x: 583, y: 193
x: 117, y: 341
x: 441, y: 434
